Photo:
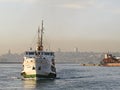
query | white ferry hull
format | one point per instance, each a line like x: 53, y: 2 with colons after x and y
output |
x: 38, y: 68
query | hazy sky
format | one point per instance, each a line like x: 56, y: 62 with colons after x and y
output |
x: 90, y: 25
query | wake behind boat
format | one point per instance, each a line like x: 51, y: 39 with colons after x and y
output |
x: 39, y: 63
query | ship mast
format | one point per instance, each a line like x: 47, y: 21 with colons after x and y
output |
x: 40, y: 38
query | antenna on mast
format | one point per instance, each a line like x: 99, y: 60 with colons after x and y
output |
x: 42, y: 35
x: 40, y: 38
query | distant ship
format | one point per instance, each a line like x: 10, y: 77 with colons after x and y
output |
x: 38, y: 63
x: 110, y: 60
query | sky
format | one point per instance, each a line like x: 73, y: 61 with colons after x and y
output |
x: 89, y: 25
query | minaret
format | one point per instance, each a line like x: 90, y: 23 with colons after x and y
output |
x: 9, y: 51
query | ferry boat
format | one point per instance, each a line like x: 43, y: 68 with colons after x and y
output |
x: 38, y: 63
x: 110, y: 61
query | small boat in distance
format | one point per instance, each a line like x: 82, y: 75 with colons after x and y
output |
x: 111, y: 61
x: 38, y: 63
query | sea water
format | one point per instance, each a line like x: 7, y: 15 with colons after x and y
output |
x: 69, y: 77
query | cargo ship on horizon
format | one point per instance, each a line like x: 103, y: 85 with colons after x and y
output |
x: 110, y: 61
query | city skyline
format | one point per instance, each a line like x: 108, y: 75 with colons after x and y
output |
x: 89, y: 25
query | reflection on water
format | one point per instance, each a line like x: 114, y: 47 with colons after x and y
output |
x: 29, y: 83
x: 33, y: 84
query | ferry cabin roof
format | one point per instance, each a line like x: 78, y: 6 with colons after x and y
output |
x: 33, y: 53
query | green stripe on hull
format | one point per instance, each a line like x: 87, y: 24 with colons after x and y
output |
x: 30, y: 76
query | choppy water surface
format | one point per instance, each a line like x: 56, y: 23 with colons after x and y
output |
x: 69, y: 77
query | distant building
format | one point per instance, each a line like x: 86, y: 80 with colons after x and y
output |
x: 76, y: 50
x: 10, y: 57
x: 9, y: 51
x: 59, y: 50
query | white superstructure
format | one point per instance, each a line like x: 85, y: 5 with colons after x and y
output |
x: 39, y: 63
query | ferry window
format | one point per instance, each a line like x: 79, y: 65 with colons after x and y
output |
x: 51, y: 53
x: 46, y: 53
x: 31, y: 53
x: 33, y: 68
x: 26, y: 53
x: 39, y: 68
x: 44, y: 58
x: 42, y: 53
x: 38, y: 53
